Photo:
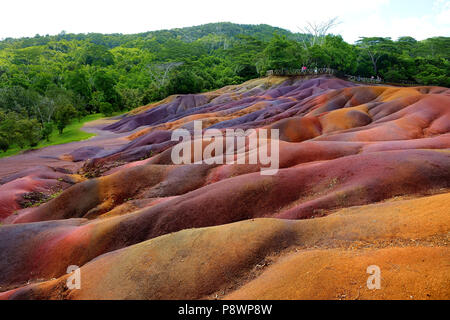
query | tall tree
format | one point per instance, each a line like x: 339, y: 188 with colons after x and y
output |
x: 316, y: 31
x: 375, y: 48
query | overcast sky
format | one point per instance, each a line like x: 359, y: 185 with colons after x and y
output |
x: 389, y: 18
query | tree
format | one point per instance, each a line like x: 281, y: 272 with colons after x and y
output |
x: 4, y: 144
x: 407, y: 45
x: 245, y: 54
x: 105, y: 82
x: 8, y: 125
x: 316, y: 31
x: 160, y: 73
x: 342, y: 56
x: 20, y: 100
x: 12, y: 129
x: 437, y: 47
x: 317, y: 56
x: 27, y: 56
x: 45, y: 109
x: 30, y: 131
x: 97, y: 55
x: 97, y: 98
x: 185, y: 80
x: 432, y: 71
x: 106, y: 108
x: 375, y: 48
x: 78, y: 81
x: 47, y: 131
x: 281, y: 53
x: 42, y: 81
x: 393, y: 76
x: 63, y: 116
x: 132, y: 98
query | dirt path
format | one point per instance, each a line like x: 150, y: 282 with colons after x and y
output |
x: 50, y: 155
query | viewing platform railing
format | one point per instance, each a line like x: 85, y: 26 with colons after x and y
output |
x: 378, y: 81
x: 329, y: 71
x: 365, y: 80
x: 300, y: 72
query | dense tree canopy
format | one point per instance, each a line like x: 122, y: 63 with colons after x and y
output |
x: 48, y: 80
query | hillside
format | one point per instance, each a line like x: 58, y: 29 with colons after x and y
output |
x: 363, y: 179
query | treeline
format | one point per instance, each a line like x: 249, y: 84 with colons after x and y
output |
x: 47, y: 81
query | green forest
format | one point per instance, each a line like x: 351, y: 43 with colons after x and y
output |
x: 49, y: 82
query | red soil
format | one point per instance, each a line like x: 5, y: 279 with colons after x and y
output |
x: 145, y: 228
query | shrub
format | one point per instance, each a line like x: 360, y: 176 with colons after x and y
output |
x: 106, y: 108
x: 30, y: 131
x: 4, y: 144
x: 47, y: 131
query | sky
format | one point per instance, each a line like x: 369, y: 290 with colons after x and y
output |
x: 420, y: 19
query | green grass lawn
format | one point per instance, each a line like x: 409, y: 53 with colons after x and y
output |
x: 71, y: 133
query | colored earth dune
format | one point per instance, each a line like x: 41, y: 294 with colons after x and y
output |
x: 364, y: 180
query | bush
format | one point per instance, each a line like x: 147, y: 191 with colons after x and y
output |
x: 64, y: 116
x: 47, y: 131
x: 30, y: 130
x: 131, y: 98
x: 4, y: 144
x: 106, y: 108
x: 393, y: 76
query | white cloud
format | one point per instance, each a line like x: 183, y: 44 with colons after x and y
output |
x: 420, y: 26
x: 27, y: 18
x: 442, y: 8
